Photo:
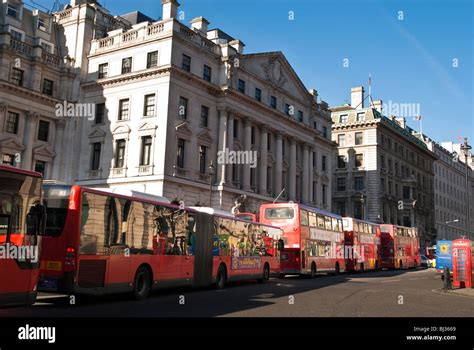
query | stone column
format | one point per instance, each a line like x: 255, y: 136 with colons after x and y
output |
x: 310, y: 176
x: 247, y: 148
x: 222, y: 143
x: 230, y: 143
x: 28, y: 140
x: 262, y: 166
x: 58, y: 148
x: 278, y: 163
x: 292, y: 170
x: 305, y: 177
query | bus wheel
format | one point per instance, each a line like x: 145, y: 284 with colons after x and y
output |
x: 313, y: 270
x: 337, y: 269
x: 361, y: 267
x: 400, y: 265
x: 266, y: 274
x: 376, y: 266
x: 141, y: 284
x: 415, y: 265
x: 221, y: 278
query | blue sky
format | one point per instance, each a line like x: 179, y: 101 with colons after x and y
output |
x: 410, y: 60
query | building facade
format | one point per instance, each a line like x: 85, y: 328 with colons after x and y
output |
x: 170, y: 100
x: 383, y: 172
x: 35, y: 75
x: 450, y: 190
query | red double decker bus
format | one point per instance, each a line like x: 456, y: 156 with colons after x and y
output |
x: 400, y: 246
x: 247, y: 216
x: 313, y: 238
x: 99, y: 242
x: 362, y: 245
x: 21, y: 222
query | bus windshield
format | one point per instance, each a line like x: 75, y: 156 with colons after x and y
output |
x: 56, y: 200
x: 280, y: 213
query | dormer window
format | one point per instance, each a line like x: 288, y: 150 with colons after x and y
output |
x: 13, y: 11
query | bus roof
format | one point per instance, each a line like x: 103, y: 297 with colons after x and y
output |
x: 11, y: 169
x: 135, y: 194
x: 302, y: 206
x: 213, y: 211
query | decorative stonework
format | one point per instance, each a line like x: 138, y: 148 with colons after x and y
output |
x: 274, y: 72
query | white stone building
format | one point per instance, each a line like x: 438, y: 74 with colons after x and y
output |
x: 380, y: 164
x: 169, y: 97
x: 450, y: 190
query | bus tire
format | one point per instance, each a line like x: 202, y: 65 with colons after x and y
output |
x: 281, y: 275
x: 415, y: 265
x: 141, y: 284
x: 313, y: 270
x: 400, y: 265
x: 221, y: 278
x: 337, y: 269
x: 266, y: 274
x: 376, y: 266
x: 361, y: 267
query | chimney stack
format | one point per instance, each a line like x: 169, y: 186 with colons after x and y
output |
x: 237, y: 45
x: 377, y: 104
x: 200, y: 24
x: 170, y: 9
x: 314, y: 93
x: 357, y: 97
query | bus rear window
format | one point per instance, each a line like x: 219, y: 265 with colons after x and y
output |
x: 56, y: 200
x: 279, y: 213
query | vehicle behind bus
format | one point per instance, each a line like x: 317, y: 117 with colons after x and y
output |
x: 21, y: 225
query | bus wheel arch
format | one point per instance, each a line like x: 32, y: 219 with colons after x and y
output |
x: 221, y: 277
x: 142, y: 282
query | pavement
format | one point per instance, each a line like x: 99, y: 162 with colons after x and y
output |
x: 406, y: 293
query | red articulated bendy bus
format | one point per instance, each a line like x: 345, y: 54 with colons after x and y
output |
x: 313, y: 238
x: 98, y: 242
x: 400, y: 246
x: 21, y: 222
x: 362, y: 245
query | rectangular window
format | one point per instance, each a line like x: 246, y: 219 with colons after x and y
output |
x: 43, y: 130
x: 360, y: 116
x: 341, y: 140
x: 258, y: 94
x: 343, y: 118
x: 48, y: 87
x: 152, y: 59
x: 204, y: 116
x: 126, y: 65
x: 124, y: 109
x: 183, y: 107
x: 149, y: 105
x: 341, y: 183
x: 241, y: 86
x: 341, y: 162
x: 358, y: 138
x: 145, y: 158
x: 202, y: 159
x: 13, y: 11
x: 236, y: 128
x: 180, y: 153
x: 252, y: 135
x: 300, y: 116
x: 273, y: 102
x: 359, y: 160
x: 11, y: 124
x: 207, y: 73
x: 120, y: 153
x: 103, y: 70
x: 40, y: 167
x: 287, y: 109
x: 186, y: 63
x: 324, y: 190
x: 99, y: 113
x: 18, y: 36
x: 17, y: 77
x: 42, y: 23
x: 323, y: 163
x: 8, y: 159
x: 325, y: 132
x: 359, y: 183
x: 95, y: 159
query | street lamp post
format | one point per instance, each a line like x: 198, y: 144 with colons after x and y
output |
x: 465, y: 147
x: 211, y: 171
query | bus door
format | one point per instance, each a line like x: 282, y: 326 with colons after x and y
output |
x: 188, y: 247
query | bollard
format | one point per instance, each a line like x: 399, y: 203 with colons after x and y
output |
x: 447, y: 279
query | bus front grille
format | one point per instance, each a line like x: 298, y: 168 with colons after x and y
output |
x: 92, y: 273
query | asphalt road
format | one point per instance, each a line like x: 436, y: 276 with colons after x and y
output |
x: 376, y: 294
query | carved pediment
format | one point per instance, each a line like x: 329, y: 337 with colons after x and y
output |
x: 183, y: 128
x: 121, y: 129
x: 97, y: 133
x: 147, y: 126
x: 44, y: 151
x: 12, y: 143
x: 273, y: 70
x: 205, y: 136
